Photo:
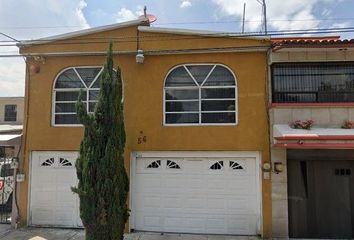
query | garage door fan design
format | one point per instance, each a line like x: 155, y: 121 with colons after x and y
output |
x: 48, y: 162
x: 51, y: 162
x: 217, y: 166
x: 154, y: 164
x: 235, y: 165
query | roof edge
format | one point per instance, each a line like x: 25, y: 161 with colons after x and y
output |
x: 83, y: 32
x: 181, y: 31
x: 11, y: 97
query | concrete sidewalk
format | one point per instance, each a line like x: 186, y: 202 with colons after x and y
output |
x: 30, y: 233
x: 8, y: 233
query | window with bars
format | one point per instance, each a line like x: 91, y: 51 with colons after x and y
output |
x: 10, y: 113
x: 326, y: 82
x: 200, y: 94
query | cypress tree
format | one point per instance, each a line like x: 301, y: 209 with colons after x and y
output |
x: 103, y: 181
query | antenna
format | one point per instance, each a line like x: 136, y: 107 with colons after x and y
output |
x: 243, y: 17
x: 151, y: 18
x: 264, y: 15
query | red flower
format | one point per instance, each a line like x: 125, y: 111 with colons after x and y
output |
x: 298, y: 124
x: 348, y: 124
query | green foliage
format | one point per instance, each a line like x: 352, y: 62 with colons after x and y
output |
x: 103, y: 181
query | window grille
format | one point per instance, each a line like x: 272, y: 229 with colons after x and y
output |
x: 313, y: 82
x: 200, y: 94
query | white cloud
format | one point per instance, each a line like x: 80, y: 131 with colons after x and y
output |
x: 185, y: 4
x: 295, y: 11
x: 341, y: 25
x: 125, y: 14
x: 31, y: 19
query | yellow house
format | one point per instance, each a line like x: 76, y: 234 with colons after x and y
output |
x: 195, y: 106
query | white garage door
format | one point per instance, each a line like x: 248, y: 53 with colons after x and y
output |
x: 52, y: 203
x: 196, y: 195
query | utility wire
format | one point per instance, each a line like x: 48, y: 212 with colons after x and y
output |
x: 193, y: 22
x: 9, y: 37
x: 168, y: 38
x: 196, y: 36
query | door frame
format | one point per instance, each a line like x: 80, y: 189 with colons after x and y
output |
x: 196, y: 154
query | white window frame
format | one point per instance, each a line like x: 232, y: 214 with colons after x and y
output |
x: 199, y: 87
x: 73, y: 90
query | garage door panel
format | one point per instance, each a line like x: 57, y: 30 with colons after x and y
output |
x: 215, y: 224
x: 151, y: 201
x: 66, y: 199
x: 199, y: 199
x: 194, y: 202
x: 52, y: 203
x: 172, y: 202
x: 42, y: 197
x: 174, y: 183
x: 241, y: 224
x: 148, y: 183
x: 190, y: 224
x: 42, y: 216
x: 242, y: 206
x: 151, y: 221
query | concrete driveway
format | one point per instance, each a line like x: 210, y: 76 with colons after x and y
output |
x: 30, y: 233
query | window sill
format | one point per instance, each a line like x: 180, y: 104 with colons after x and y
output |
x: 68, y: 125
x: 199, y: 125
x: 287, y: 105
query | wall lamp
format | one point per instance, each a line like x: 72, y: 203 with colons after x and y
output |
x: 39, y: 59
x: 266, y: 167
x: 35, y: 65
x: 278, y: 167
x: 139, y: 56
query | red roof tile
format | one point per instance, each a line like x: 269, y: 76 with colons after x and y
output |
x: 310, y: 42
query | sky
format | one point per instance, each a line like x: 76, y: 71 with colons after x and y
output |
x: 32, y: 19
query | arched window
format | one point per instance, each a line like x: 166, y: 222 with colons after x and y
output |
x: 203, y: 94
x: 66, y: 92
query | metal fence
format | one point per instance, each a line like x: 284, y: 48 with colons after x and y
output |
x: 7, y: 182
x: 313, y: 82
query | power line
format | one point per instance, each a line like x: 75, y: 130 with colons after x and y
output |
x: 191, y: 22
x: 39, y: 27
x: 9, y: 37
x: 169, y: 38
x: 254, y: 21
x: 202, y: 35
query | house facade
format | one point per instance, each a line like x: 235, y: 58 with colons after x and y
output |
x: 312, y: 182
x: 195, y: 106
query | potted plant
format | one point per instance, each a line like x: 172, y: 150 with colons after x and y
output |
x: 298, y: 124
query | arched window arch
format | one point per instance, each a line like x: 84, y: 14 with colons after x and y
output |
x: 200, y: 94
x: 66, y: 92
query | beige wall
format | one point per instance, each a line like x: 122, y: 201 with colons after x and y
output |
x: 19, y: 101
x: 330, y: 116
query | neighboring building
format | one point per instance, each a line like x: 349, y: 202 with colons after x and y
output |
x: 312, y: 78
x: 196, y: 125
x: 11, y: 119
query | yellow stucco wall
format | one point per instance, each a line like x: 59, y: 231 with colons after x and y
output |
x: 143, y: 107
